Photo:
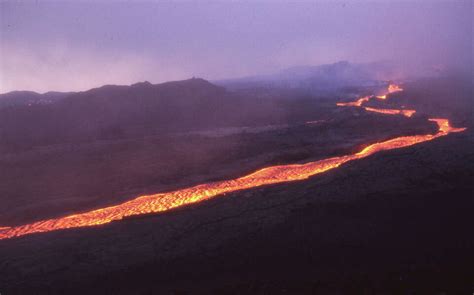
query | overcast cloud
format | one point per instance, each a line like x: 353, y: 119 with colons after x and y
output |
x: 75, y: 46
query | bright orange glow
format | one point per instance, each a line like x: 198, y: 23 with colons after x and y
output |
x: 394, y: 88
x: 406, y: 113
x: 356, y: 103
x: 444, y: 127
x: 270, y: 175
x: 391, y: 89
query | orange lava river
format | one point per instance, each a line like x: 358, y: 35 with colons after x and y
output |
x: 406, y: 113
x: 270, y: 175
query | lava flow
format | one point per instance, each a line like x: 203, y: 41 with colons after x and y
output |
x: 394, y: 88
x: 270, y: 175
x: 356, y: 103
x: 406, y: 113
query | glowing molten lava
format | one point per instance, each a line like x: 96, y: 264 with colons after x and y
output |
x: 406, y: 113
x: 443, y: 129
x: 271, y: 175
x: 394, y: 88
x: 391, y: 89
x: 356, y: 103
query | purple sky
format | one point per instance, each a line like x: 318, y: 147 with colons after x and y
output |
x: 75, y: 46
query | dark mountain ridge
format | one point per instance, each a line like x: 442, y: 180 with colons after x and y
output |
x: 317, y: 79
x: 114, y: 112
x: 28, y: 98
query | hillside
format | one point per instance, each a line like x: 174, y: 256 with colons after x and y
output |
x: 118, y: 112
x: 29, y: 98
x: 316, y: 80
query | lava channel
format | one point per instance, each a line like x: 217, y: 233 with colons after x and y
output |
x: 271, y: 175
x: 406, y: 113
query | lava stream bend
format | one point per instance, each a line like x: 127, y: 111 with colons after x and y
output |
x: 406, y: 113
x: 270, y: 175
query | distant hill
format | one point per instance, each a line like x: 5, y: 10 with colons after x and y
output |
x: 29, y: 98
x: 114, y: 112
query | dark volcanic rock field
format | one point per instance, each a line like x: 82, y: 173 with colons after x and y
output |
x: 398, y: 222
x: 59, y: 180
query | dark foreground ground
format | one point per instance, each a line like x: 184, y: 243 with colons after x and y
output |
x: 399, y: 222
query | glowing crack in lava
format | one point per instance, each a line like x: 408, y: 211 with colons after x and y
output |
x: 406, y: 113
x: 169, y: 200
x: 356, y: 103
x: 392, y: 88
